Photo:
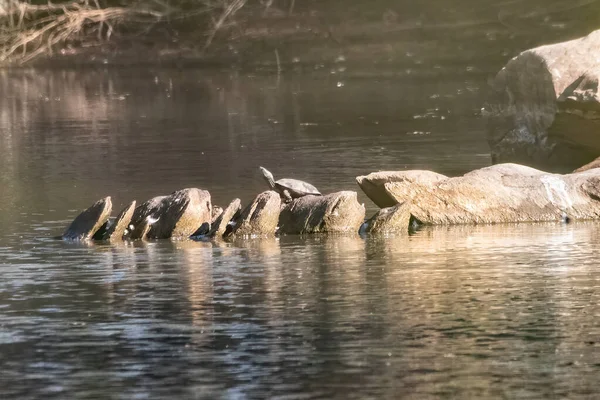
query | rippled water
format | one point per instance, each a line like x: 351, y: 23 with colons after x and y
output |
x: 467, y: 312
x: 464, y: 312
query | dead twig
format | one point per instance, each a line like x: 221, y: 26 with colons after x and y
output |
x: 227, y: 12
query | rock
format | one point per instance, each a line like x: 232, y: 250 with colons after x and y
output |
x: 373, y: 184
x: 85, y: 225
x: 216, y: 213
x: 176, y: 216
x: 144, y: 216
x: 202, y: 231
x: 120, y: 225
x: 333, y: 213
x: 390, y: 220
x: 502, y: 193
x: 590, y: 165
x: 546, y: 110
x: 260, y: 217
x: 100, y: 234
x: 220, y: 224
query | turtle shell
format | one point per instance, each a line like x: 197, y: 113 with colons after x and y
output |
x: 296, y: 187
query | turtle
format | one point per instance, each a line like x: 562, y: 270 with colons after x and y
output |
x: 288, y: 188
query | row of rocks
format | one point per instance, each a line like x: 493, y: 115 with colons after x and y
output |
x: 498, y: 194
x: 189, y: 212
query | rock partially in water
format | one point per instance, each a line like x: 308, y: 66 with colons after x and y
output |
x: 333, y: 213
x: 546, y: 107
x: 85, y: 225
x: 215, y: 214
x: 120, y: 225
x: 260, y: 217
x: 144, y: 216
x: 220, y: 224
x: 373, y: 184
x: 502, y: 193
x: 390, y: 220
x: 594, y: 164
x: 175, y: 216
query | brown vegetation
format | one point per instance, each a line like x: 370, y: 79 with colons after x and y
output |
x: 28, y: 30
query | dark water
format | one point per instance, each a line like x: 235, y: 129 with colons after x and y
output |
x: 464, y: 312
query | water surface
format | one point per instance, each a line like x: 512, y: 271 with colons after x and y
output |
x: 464, y: 312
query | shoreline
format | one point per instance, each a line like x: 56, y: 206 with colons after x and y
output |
x: 308, y: 40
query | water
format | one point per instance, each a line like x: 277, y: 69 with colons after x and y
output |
x: 462, y: 312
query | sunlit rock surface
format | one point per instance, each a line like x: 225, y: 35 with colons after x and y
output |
x: 120, y: 225
x: 373, y: 184
x: 546, y: 111
x: 593, y: 164
x: 389, y: 220
x: 220, y: 223
x: 215, y: 213
x: 177, y: 215
x: 260, y: 217
x: 333, y: 213
x: 501, y: 193
x: 89, y: 221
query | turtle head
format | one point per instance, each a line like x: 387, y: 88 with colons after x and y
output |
x: 268, y: 177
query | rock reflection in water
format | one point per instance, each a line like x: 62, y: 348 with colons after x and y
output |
x: 460, y: 310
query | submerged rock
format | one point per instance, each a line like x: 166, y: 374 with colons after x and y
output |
x: 546, y: 107
x: 334, y: 213
x: 176, y: 216
x: 502, y: 193
x: 220, y: 223
x: 85, y: 225
x: 390, y: 220
x: 260, y: 217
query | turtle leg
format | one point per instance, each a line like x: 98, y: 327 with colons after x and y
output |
x: 287, y: 196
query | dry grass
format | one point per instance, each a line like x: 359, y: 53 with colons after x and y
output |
x: 28, y: 30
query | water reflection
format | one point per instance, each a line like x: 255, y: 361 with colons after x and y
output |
x: 70, y: 137
x: 466, y: 312
x: 456, y: 311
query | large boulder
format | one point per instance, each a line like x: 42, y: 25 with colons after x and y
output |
x: 391, y: 220
x: 373, y: 184
x: 176, y: 216
x: 545, y: 111
x: 334, y: 213
x: 502, y: 193
x: 260, y: 217
x: 86, y: 224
